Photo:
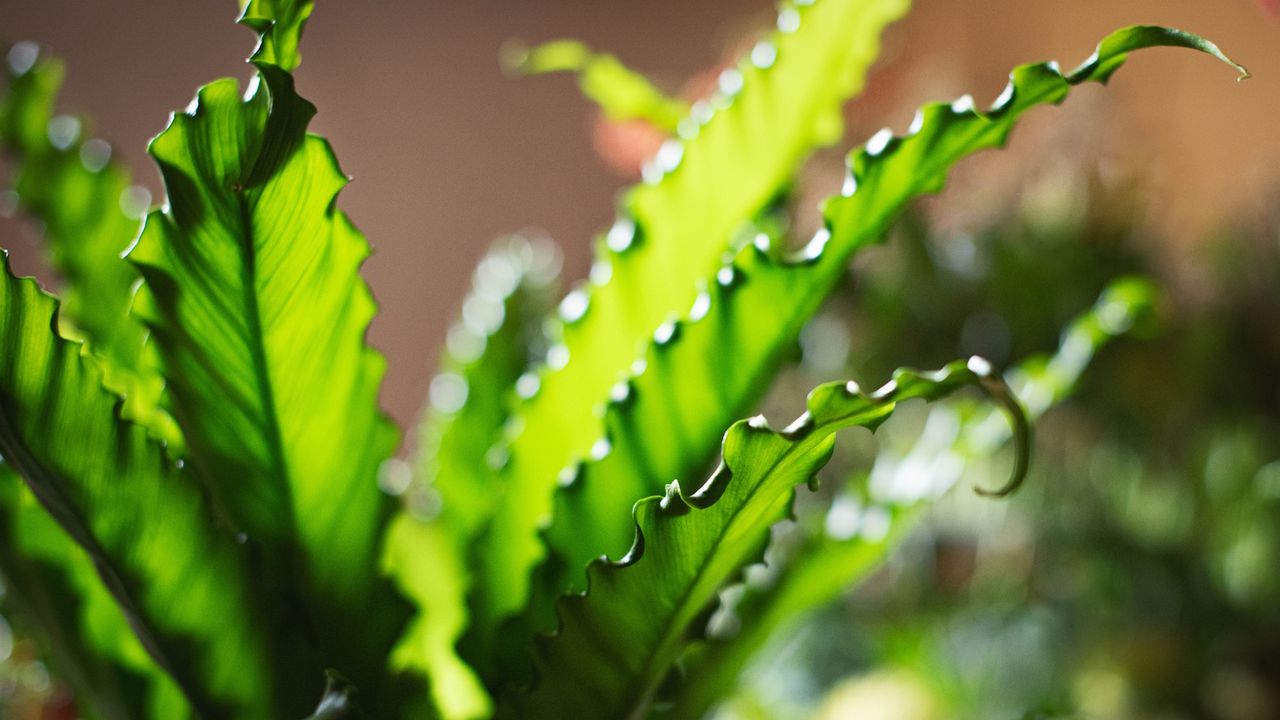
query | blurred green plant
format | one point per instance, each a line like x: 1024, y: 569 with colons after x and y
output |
x: 1134, y: 578
x: 192, y: 449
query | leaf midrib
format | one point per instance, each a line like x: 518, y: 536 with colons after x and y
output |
x: 50, y: 494
x: 786, y: 460
x: 258, y: 353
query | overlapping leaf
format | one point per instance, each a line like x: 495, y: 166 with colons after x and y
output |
x: 822, y: 560
x: 487, y: 350
x: 72, y: 186
x: 185, y: 586
x: 782, y: 294
x: 617, y: 642
x: 714, y: 361
x: 255, y: 302
x: 740, y: 148
x: 427, y: 564
x: 51, y: 582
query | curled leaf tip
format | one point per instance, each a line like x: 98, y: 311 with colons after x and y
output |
x: 994, y: 385
x: 1114, y: 48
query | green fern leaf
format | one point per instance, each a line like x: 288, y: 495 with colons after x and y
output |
x: 184, y: 585
x: 255, y: 302
x: 617, y: 642
x: 486, y: 353
x: 427, y: 563
x: 621, y: 93
x: 51, y: 582
x: 279, y: 24
x: 822, y: 561
x: 714, y: 361
x: 741, y: 149
x: 781, y: 295
x: 487, y: 350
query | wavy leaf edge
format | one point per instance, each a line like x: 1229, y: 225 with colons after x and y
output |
x: 762, y: 254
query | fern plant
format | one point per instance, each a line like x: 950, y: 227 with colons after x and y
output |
x: 190, y: 507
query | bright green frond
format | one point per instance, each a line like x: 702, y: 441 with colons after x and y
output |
x: 618, y: 640
x: 738, y: 151
x: 866, y: 519
x: 715, y: 358
x: 255, y: 301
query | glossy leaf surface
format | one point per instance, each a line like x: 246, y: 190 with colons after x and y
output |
x: 732, y: 338
x: 773, y: 110
x: 870, y: 515
x: 617, y: 641
x: 279, y: 24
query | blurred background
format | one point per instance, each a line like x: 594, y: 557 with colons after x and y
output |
x: 1138, y: 576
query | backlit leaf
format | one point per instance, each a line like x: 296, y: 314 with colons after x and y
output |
x: 618, y: 640
x: 184, y: 584
x: 737, y: 152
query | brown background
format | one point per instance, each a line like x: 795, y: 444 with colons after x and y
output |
x: 447, y: 152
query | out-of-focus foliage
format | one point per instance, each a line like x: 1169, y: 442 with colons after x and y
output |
x: 620, y: 93
x: 70, y: 183
x: 1135, y: 576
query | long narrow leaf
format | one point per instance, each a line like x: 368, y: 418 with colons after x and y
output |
x: 715, y: 360
x: 617, y: 641
x: 488, y: 349
x: 826, y: 559
x: 742, y: 147
x: 255, y: 301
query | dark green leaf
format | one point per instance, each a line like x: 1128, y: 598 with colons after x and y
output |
x: 51, y: 582
x: 618, y: 640
x: 821, y: 561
